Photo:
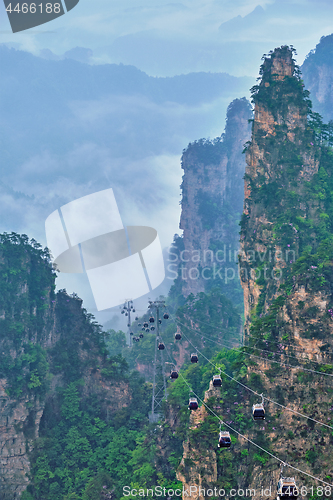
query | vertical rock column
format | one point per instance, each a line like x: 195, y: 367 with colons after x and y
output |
x: 212, y: 200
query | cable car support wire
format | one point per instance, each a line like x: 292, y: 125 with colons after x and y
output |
x: 244, y: 437
x: 258, y: 338
x: 256, y: 393
x: 159, y: 390
x: 259, y: 357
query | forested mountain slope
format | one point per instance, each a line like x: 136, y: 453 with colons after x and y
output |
x: 73, y: 419
x: 286, y: 274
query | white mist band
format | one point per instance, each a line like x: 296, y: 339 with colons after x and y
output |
x: 114, y: 258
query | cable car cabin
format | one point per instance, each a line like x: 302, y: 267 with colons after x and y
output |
x: 139, y: 324
x: 152, y: 328
x: 141, y: 335
x: 166, y: 316
x: 145, y: 324
x: 161, y: 346
x: 134, y: 339
x: 143, y: 329
x: 173, y: 374
x: 151, y: 320
x: 224, y: 440
x: 194, y: 358
x: 133, y: 310
x: 217, y: 381
x: 136, y: 318
x: 147, y: 330
x: 193, y: 404
x: 178, y: 336
x: 258, y: 412
x: 287, y: 489
x: 123, y: 312
x: 131, y: 333
x: 160, y: 321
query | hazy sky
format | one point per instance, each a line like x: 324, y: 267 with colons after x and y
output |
x: 171, y: 38
x: 162, y: 39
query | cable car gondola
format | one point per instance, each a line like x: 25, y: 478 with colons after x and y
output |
x: 173, y: 374
x: 139, y: 324
x: 193, y: 404
x: 166, y: 316
x: 147, y: 330
x: 145, y: 324
x: 151, y: 319
x: 287, y: 489
x: 258, y: 410
x: 217, y: 381
x: 178, y: 336
x: 160, y: 321
x: 143, y: 328
x: 224, y: 439
x: 152, y: 328
x: 136, y: 318
x: 141, y: 335
x: 161, y: 346
x: 194, y: 358
x: 131, y: 333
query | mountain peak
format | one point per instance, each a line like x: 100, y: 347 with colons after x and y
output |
x: 278, y: 64
x: 280, y: 97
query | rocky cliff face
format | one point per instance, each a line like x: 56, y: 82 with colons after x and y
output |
x: 286, y: 256
x: 278, y: 160
x: 283, y: 221
x: 286, y: 267
x: 212, y: 198
x: 14, y: 443
x: 46, y: 341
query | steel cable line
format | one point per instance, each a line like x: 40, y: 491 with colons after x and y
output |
x: 290, y: 366
x: 198, y: 332
x: 249, y: 347
x: 247, y: 439
x: 252, y: 347
x: 258, y: 338
x: 243, y: 346
x: 285, y: 345
x: 265, y: 359
x: 255, y: 444
x: 204, y: 323
x: 280, y: 343
x: 257, y: 394
x: 265, y: 350
x: 215, y: 342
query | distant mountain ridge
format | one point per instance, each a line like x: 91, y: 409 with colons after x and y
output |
x: 113, y: 78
